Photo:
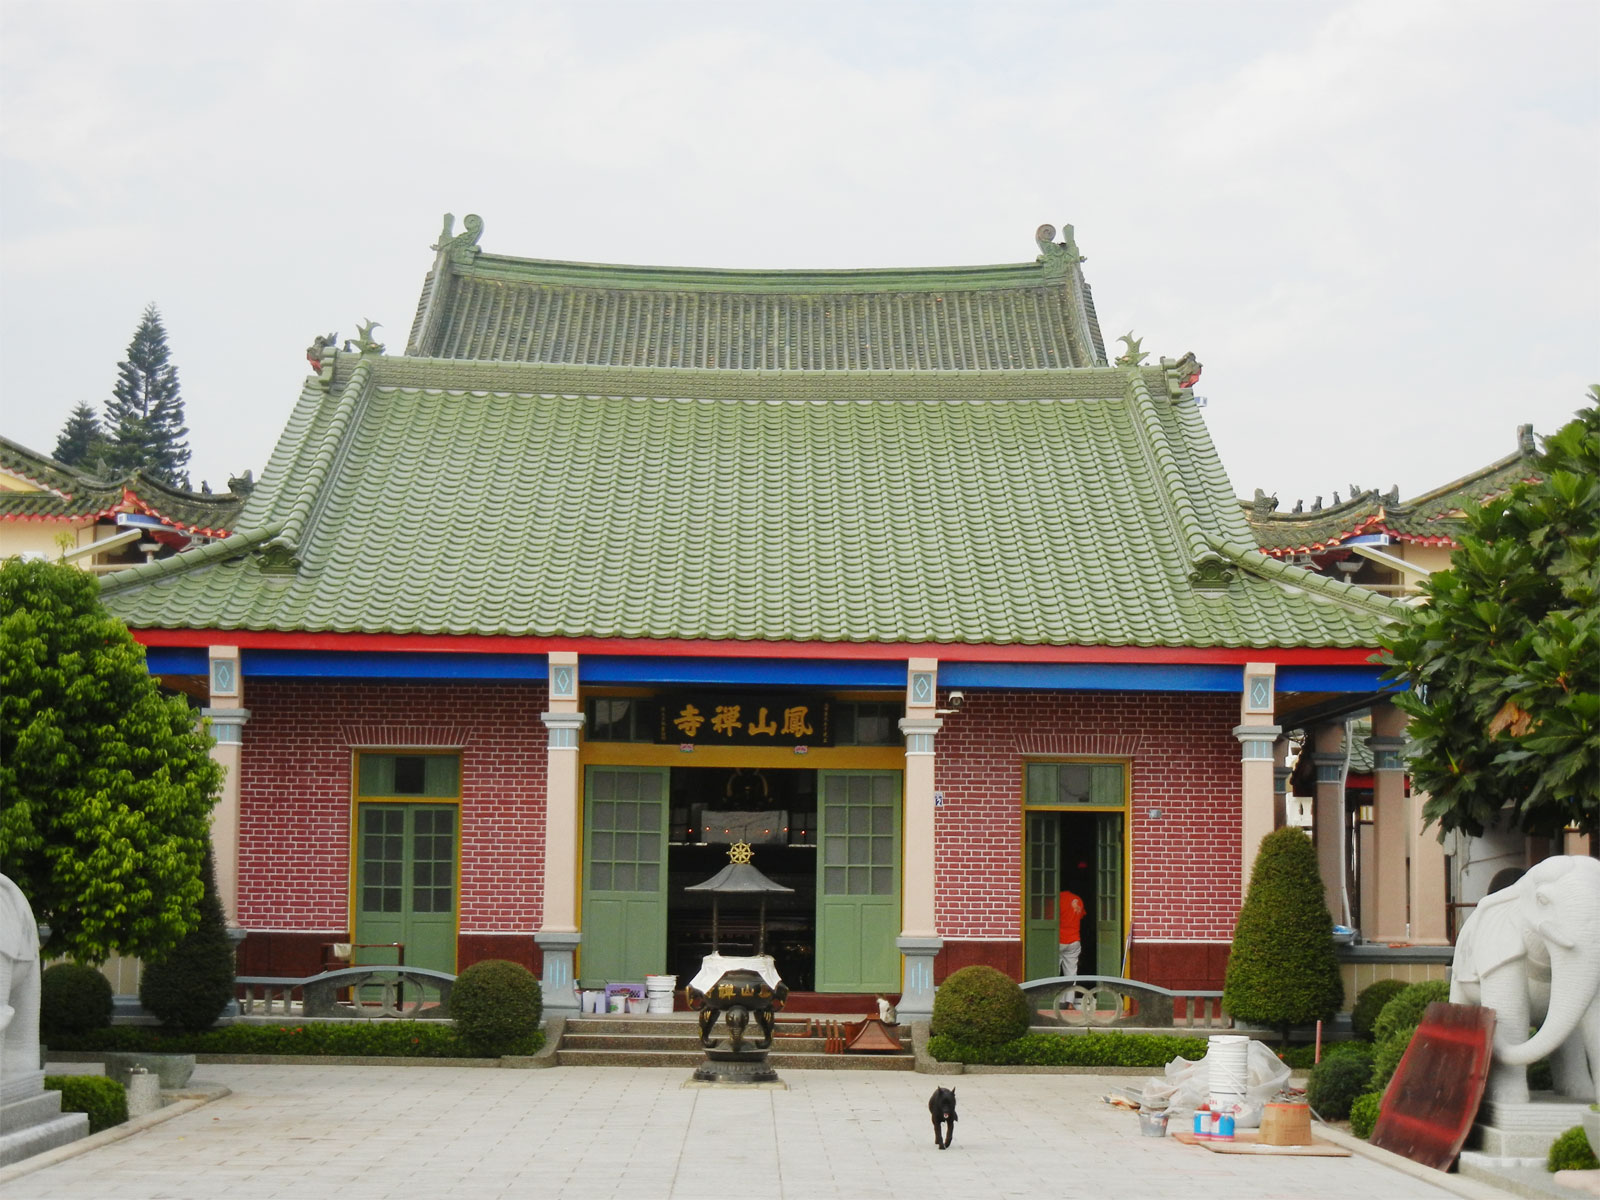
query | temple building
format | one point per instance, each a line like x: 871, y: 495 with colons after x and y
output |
x: 50, y: 510
x: 890, y: 574
x: 1379, y: 541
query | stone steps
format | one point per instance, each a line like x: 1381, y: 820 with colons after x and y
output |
x: 674, y: 1041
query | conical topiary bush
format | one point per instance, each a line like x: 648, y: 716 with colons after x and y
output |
x: 1282, y: 970
x: 189, y: 988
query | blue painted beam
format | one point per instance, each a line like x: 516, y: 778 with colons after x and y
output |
x: 379, y: 664
x: 1094, y: 677
x: 666, y: 671
x: 855, y: 673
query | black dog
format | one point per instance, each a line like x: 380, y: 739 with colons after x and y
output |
x: 942, y: 1104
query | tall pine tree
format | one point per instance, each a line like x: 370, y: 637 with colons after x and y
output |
x: 144, y: 417
x: 82, y: 441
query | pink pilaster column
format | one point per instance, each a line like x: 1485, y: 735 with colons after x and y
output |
x: 1258, y: 738
x: 558, y: 936
x: 919, y: 939
x: 1391, y: 829
x: 227, y: 716
x: 1327, y: 814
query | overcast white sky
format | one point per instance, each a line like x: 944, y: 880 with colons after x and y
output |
x: 1376, y: 223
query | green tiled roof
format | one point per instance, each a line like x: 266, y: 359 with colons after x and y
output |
x: 1026, y: 316
x: 1433, y: 518
x: 71, y: 494
x: 1081, y: 506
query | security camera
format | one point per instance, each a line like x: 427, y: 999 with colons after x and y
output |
x: 957, y: 699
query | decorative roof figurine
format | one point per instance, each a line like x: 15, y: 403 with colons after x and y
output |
x: 1133, y: 356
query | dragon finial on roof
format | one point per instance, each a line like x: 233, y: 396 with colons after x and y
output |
x: 363, y: 342
x: 1133, y: 356
x: 463, y: 246
x: 1055, y: 254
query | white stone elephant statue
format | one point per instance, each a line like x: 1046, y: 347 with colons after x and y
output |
x: 19, y: 987
x: 1531, y: 952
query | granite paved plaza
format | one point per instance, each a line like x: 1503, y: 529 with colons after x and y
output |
x: 420, y: 1133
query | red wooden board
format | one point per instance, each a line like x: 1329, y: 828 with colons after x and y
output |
x: 1429, y: 1105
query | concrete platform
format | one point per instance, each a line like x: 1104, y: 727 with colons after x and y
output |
x: 397, y: 1133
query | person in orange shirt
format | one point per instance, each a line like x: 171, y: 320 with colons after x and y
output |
x: 1070, y: 941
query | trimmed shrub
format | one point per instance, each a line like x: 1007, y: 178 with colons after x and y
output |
x: 980, y: 1006
x: 1370, y: 1003
x: 1387, y: 1058
x: 189, y: 988
x: 1364, y: 1114
x: 73, y: 999
x: 105, y: 1100
x: 372, y: 1039
x: 1283, y: 970
x: 1404, y: 1011
x: 1572, y: 1152
x: 495, y: 1004
x: 1303, y: 1058
x: 1072, y: 1050
x: 1335, y: 1082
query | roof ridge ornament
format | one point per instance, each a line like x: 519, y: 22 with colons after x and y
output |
x: 460, y: 247
x: 1057, y: 256
x: 363, y: 342
x: 1133, y: 356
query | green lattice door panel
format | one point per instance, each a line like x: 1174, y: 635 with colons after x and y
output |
x: 1108, y: 893
x: 624, y: 873
x: 406, y: 881
x: 858, y: 881
x: 1041, y: 926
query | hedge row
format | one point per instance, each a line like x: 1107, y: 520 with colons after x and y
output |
x: 1072, y: 1050
x: 105, y: 1100
x: 369, y: 1039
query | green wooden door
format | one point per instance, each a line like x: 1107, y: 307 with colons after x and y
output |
x: 1108, y: 894
x: 406, y: 882
x: 624, y: 873
x: 1041, y: 926
x: 858, y: 881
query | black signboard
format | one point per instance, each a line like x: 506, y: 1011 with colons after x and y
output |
x: 744, y: 719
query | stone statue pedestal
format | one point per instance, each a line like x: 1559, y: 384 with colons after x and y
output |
x: 31, y: 1120
x: 1519, y: 1135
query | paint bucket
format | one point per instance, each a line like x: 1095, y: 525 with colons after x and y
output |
x: 1228, y: 1071
x: 1153, y: 1124
x: 617, y: 1003
x: 636, y: 1006
x: 658, y: 989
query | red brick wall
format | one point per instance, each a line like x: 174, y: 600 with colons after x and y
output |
x: 1185, y: 763
x: 294, y: 841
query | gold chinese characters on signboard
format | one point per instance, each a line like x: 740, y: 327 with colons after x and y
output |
x: 711, y: 719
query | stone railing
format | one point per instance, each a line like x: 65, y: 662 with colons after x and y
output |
x: 414, y: 993
x: 1106, y: 1001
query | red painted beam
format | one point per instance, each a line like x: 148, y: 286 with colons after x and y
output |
x: 684, y: 647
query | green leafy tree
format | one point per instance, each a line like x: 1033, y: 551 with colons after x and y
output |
x: 144, y: 417
x: 1504, y: 659
x: 1283, y: 970
x: 82, y: 441
x: 106, y: 785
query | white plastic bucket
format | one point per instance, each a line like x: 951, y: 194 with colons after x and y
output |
x: 659, y: 989
x: 617, y: 1003
x: 593, y: 1001
x: 1228, y: 1068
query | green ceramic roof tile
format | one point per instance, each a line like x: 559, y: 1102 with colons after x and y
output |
x: 993, y: 318
x: 1433, y: 517
x: 1042, y: 507
x: 71, y: 494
